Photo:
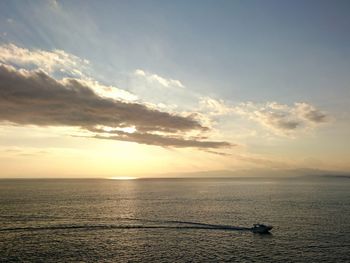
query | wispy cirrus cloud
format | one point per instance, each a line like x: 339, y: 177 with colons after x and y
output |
x: 214, y: 107
x: 48, y: 61
x: 158, y: 80
x: 108, y: 91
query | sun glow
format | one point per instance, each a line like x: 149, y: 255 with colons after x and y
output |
x: 131, y: 129
x: 123, y: 178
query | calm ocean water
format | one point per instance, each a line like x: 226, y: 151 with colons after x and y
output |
x: 150, y: 220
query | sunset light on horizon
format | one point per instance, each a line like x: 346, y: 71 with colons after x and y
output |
x: 123, y: 89
x: 174, y: 131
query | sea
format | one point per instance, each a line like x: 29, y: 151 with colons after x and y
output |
x: 175, y: 220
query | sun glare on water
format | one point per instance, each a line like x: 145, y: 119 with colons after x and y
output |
x: 123, y: 178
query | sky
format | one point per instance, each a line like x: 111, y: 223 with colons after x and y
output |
x: 147, y: 88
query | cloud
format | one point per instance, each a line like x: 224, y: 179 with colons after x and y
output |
x: 279, y: 119
x: 309, y: 113
x: 48, y: 61
x: 33, y: 97
x: 53, y: 3
x: 218, y: 153
x: 58, y: 61
x: 214, y: 107
x: 156, y: 79
x: 163, y: 140
x: 282, y: 119
x: 108, y: 91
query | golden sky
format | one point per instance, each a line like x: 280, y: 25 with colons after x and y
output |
x: 87, y: 96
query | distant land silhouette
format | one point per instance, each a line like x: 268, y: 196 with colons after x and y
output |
x: 257, y: 173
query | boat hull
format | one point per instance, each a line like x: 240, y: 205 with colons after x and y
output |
x: 262, y: 229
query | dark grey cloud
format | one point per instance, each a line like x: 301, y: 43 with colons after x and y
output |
x: 287, y: 124
x: 219, y: 153
x: 33, y: 97
x: 161, y: 140
x: 314, y: 115
x: 279, y: 120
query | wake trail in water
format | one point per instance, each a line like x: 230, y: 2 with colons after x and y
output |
x: 157, y: 224
x: 187, y: 223
x: 106, y: 227
x: 34, y: 217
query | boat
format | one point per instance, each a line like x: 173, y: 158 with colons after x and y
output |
x: 261, y: 228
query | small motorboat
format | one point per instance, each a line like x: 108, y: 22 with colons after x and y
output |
x: 261, y: 228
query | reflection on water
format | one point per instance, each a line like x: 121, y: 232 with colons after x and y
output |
x: 123, y: 178
x: 174, y: 220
